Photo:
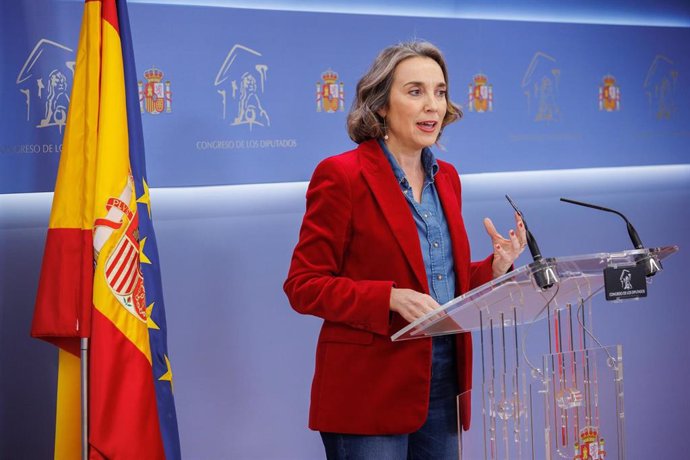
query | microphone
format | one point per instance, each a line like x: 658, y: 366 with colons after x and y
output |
x: 652, y: 265
x: 543, y: 273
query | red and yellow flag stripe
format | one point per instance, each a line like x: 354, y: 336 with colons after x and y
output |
x: 91, y: 283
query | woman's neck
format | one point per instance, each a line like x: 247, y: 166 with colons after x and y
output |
x: 409, y: 160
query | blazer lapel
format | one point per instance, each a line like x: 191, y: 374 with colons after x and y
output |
x: 379, y: 176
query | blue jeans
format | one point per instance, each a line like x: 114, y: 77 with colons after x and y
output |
x: 437, y: 439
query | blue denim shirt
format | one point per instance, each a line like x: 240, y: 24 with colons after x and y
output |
x: 437, y: 252
x: 434, y: 237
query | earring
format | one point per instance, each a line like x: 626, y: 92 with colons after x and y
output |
x: 385, y: 133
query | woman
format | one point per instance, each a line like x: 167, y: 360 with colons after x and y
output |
x: 382, y: 244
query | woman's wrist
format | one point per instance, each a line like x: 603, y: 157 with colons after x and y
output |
x: 499, y: 269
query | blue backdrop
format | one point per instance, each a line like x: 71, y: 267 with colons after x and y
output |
x: 237, y: 91
x: 571, y: 99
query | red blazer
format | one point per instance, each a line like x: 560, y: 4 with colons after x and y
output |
x: 358, y: 239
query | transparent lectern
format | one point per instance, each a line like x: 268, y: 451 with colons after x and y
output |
x: 570, y: 400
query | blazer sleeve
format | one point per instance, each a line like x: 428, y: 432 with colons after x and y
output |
x: 314, y: 284
x: 481, y: 272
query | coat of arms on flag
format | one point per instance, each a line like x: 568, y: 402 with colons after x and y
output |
x: 122, y: 268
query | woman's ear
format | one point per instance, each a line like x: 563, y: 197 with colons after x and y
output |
x: 382, y: 112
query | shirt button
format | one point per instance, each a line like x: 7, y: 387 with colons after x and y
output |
x: 439, y: 277
x: 435, y: 244
x: 426, y: 215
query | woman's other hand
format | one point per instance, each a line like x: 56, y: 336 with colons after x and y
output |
x: 410, y: 304
x: 506, y: 250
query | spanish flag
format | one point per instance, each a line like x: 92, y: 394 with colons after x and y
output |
x: 100, y: 277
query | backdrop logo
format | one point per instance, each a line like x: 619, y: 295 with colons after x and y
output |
x: 481, y: 95
x: 626, y: 280
x: 330, y: 94
x: 609, y: 95
x: 155, y: 96
x: 45, y: 81
x: 540, y: 85
x: 660, y: 87
x: 243, y: 76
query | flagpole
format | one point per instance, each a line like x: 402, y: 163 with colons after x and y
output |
x: 84, y: 398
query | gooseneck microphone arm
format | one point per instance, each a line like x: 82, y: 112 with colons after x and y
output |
x: 531, y: 242
x: 652, y: 264
x: 543, y: 274
x: 634, y: 237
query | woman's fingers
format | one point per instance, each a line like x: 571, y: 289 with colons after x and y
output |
x: 521, y: 230
x: 410, y: 304
x: 491, y: 230
x: 515, y: 244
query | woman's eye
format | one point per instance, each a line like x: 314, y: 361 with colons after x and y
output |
x: 441, y: 93
x: 415, y: 92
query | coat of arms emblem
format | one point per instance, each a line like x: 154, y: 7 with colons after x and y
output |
x: 330, y: 94
x: 154, y: 95
x: 122, y: 267
x: 481, y: 94
x: 590, y: 445
x: 609, y: 95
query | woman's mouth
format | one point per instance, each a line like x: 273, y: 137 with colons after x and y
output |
x: 427, y: 126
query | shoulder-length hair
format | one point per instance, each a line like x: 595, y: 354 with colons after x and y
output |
x: 373, y: 90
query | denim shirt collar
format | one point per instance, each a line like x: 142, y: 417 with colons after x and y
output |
x: 428, y: 163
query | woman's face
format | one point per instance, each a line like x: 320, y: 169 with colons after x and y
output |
x: 416, y: 105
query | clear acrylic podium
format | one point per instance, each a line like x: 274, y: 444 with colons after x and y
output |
x: 568, y: 402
